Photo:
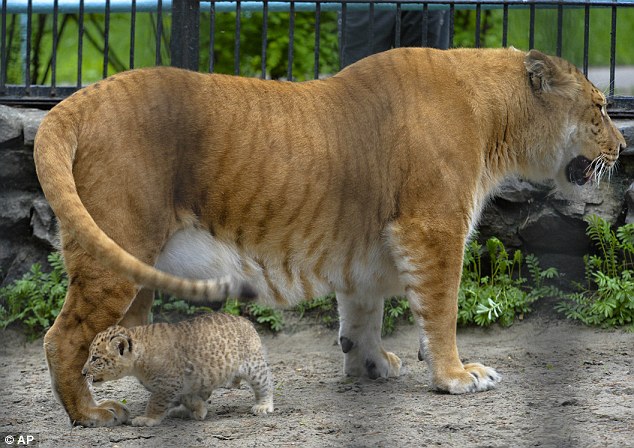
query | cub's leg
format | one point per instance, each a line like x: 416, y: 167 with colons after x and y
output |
x: 192, y: 406
x: 257, y: 374
x: 139, y: 311
x: 360, y: 322
x: 430, y: 266
x: 157, y: 406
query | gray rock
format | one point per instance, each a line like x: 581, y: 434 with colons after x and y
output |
x: 31, y: 119
x: 518, y: 190
x: 27, y: 254
x: 17, y: 170
x: 15, y: 212
x: 10, y: 124
x: 629, y: 202
x: 43, y: 222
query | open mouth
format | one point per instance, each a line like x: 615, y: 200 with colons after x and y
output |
x: 578, y: 171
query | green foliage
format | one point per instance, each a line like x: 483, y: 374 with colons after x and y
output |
x: 262, y: 314
x: 36, y: 299
x: 324, y: 309
x: 503, y: 295
x: 607, y: 298
x: 395, y: 310
x: 165, y: 304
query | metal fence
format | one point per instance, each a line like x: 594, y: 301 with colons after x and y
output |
x: 50, y: 48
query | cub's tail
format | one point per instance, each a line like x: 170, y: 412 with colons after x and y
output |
x: 54, y: 152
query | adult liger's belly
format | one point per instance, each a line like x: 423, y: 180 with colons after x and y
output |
x: 284, y: 277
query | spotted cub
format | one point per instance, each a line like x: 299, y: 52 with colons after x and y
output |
x: 181, y: 364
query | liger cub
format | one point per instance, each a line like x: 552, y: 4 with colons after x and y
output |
x: 181, y: 364
x: 367, y: 183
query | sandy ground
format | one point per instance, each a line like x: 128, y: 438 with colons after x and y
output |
x: 563, y: 385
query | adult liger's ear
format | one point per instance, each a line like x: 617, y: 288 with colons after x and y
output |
x: 547, y: 75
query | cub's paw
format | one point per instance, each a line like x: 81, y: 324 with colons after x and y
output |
x: 106, y: 413
x: 180, y: 412
x: 145, y: 421
x: 472, y: 378
x: 262, y: 409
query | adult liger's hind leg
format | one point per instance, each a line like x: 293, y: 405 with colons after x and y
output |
x: 360, y: 323
x: 96, y: 299
x: 430, y: 266
x: 139, y: 311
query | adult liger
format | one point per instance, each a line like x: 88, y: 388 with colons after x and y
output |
x: 367, y: 183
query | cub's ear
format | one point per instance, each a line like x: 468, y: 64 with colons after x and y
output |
x: 546, y: 74
x: 121, y: 343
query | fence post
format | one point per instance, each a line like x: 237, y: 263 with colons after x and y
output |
x: 184, y: 44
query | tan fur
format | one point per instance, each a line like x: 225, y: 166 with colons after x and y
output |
x: 367, y: 183
x: 181, y: 364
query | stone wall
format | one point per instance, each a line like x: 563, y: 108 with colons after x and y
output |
x: 523, y: 215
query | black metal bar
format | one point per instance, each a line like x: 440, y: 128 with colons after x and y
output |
x: 212, y: 36
x: 159, y: 31
x: 106, y: 41
x: 185, y: 34
x: 586, y: 38
x: 54, y: 51
x: 80, y: 42
x: 291, y: 41
x: 478, y: 24
x: 505, y: 25
x: 344, y: 16
x: 452, y: 10
x: 236, y: 41
x: 265, y: 36
x: 531, y: 27
x: 397, y: 26
x: 29, y: 32
x: 132, y: 32
x: 425, y: 26
x: 560, y: 26
x: 317, y: 38
x: 612, y: 51
x: 3, y: 48
x: 371, y: 29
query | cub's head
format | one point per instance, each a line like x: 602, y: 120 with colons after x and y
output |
x: 110, y: 356
x: 588, y: 143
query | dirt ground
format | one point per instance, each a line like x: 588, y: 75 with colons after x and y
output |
x: 564, y: 385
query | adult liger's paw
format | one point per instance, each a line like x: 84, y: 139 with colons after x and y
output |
x: 145, y: 421
x: 106, y: 413
x: 472, y: 378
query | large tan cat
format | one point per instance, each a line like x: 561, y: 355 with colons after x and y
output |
x: 367, y: 183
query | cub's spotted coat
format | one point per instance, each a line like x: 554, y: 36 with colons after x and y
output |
x: 181, y: 364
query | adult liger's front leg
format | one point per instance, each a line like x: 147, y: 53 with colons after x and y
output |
x: 430, y: 266
x: 360, y: 322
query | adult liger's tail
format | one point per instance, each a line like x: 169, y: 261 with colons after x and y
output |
x: 55, y: 148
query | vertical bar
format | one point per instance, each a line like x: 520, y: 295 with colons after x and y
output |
x: 371, y: 30
x: 212, y: 36
x: 397, y: 32
x: 291, y: 41
x: 159, y: 31
x: 106, y: 42
x: 505, y: 25
x: 54, y: 53
x: 612, y: 50
x: 27, y: 59
x: 560, y: 27
x: 80, y: 42
x: 236, y: 42
x: 586, y: 38
x: 478, y: 24
x: 3, y: 47
x: 452, y: 9
x: 425, y: 29
x: 531, y: 27
x: 265, y: 36
x: 344, y: 14
x: 132, y: 32
x: 185, y: 34
x: 317, y: 38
